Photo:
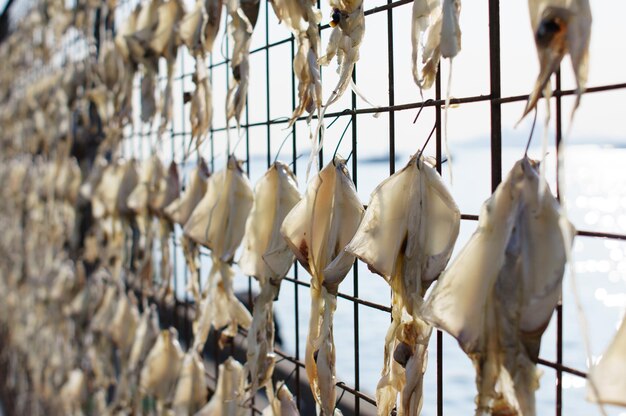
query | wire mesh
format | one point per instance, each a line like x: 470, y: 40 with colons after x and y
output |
x: 264, y: 129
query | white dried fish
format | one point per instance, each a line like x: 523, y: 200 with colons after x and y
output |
x: 407, y: 236
x: 191, y: 388
x: 160, y: 370
x: 214, y: 12
x: 608, y: 374
x: 435, y: 23
x: 302, y: 18
x: 267, y: 257
x: 228, y: 397
x: 348, y: 21
x: 218, y: 222
x: 560, y: 27
x: 123, y: 326
x: 243, y: 17
x: 181, y: 208
x: 283, y: 403
x: 498, y: 295
x: 317, y: 229
x: 145, y: 336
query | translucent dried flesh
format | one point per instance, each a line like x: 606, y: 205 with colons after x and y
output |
x: 218, y: 222
x: 160, y: 370
x: 180, y: 209
x: 317, y: 229
x: 228, y: 397
x: 302, y: 18
x: 244, y: 14
x: 560, y: 27
x: 608, y: 374
x: 498, y: 295
x: 191, y: 388
x: 407, y: 236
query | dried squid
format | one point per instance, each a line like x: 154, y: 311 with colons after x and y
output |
x: 317, y: 229
x: 407, y: 236
x: 498, y: 295
x: 435, y: 32
x: 180, y: 210
x: 144, y: 29
x: 150, y: 175
x: 438, y: 26
x: 167, y: 191
x: 160, y: 370
x: 283, y: 404
x: 192, y: 33
x: 348, y: 22
x: 608, y: 375
x: 560, y: 27
x: 228, y: 397
x: 218, y: 222
x: 243, y: 17
x: 191, y: 389
x: 302, y: 18
x: 267, y: 257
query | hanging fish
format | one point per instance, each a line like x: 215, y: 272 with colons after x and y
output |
x: 145, y: 336
x: 283, y: 403
x: 560, y: 27
x: 214, y: 12
x: 498, y: 295
x: 192, y: 33
x: 218, y: 223
x: 160, y: 370
x: 165, y: 44
x: 122, y: 328
x: 180, y: 212
x: 435, y: 32
x: 348, y: 23
x: 267, y: 257
x: 302, y: 18
x: 167, y: 191
x: 191, y: 389
x: 407, y: 236
x: 146, y: 22
x: 318, y: 229
x: 243, y: 18
x: 606, y: 378
x: 181, y: 208
x: 228, y: 397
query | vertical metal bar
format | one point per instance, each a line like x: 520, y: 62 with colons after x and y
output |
x: 392, y: 96
x: 212, y: 131
x: 559, y: 307
x: 267, y: 81
x: 355, y: 275
x: 294, y: 157
x: 438, y: 152
x: 494, y: 72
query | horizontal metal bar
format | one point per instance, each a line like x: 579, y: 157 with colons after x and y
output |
x: 340, y: 384
x: 346, y: 296
x: 563, y: 368
x: 429, y: 103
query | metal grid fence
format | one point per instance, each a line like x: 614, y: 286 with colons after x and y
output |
x: 267, y: 132
x: 262, y: 129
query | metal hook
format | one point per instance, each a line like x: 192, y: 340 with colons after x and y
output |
x: 340, y: 140
x: 430, y: 100
x: 337, y: 118
x: 419, y: 154
x: 281, y: 145
x: 293, y: 162
x: 530, y: 137
x: 341, y: 383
